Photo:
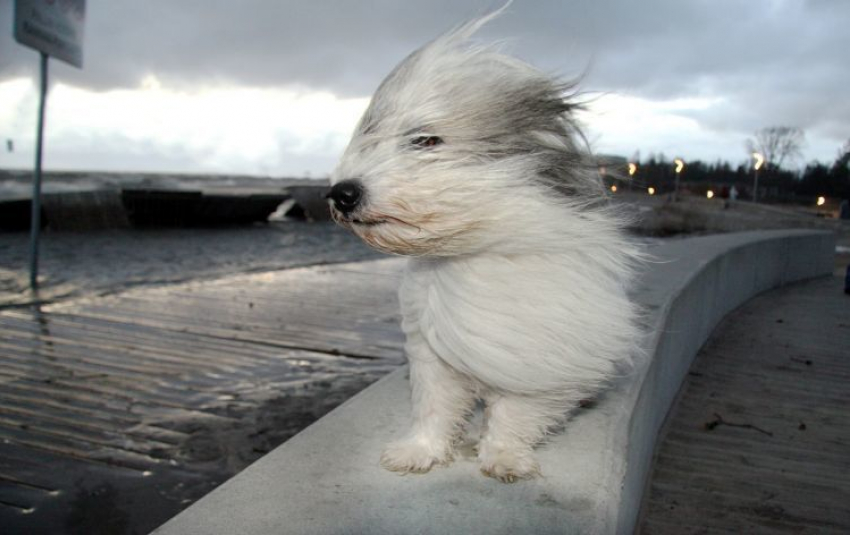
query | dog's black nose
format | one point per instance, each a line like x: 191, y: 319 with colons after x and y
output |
x: 346, y: 195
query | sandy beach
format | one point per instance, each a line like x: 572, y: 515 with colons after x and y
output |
x: 245, y: 411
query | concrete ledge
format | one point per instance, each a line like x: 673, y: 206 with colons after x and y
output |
x: 327, y: 479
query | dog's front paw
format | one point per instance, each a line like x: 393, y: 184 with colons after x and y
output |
x: 414, y: 456
x: 508, y: 466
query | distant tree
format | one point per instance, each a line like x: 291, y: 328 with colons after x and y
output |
x: 842, y: 161
x: 777, y: 144
x: 841, y: 171
x: 816, y: 180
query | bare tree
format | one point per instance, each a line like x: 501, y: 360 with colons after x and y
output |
x: 842, y: 159
x: 844, y: 151
x: 777, y: 144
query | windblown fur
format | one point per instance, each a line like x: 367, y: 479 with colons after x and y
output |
x: 467, y: 161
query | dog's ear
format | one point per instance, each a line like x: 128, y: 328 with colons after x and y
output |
x: 453, y: 39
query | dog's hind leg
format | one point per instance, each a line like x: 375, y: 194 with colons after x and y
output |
x: 441, y: 401
x: 513, y: 425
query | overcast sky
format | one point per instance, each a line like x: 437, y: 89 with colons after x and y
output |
x: 274, y: 87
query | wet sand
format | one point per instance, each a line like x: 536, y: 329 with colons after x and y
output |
x: 116, y: 412
x: 94, y: 440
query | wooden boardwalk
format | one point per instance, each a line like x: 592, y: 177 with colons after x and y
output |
x: 759, y: 441
x: 116, y: 412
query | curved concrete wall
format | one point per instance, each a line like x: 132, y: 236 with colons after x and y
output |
x: 327, y: 479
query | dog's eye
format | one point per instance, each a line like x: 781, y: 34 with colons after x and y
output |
x: 426, y: 141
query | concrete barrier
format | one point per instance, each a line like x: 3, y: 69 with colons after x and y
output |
x: 327, y: 479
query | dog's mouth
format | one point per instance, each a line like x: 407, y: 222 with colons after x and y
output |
x: 348, y: 221
x: 367, y: 222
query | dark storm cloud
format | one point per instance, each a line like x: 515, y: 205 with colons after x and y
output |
x: 346, y: 44
x: 340, y: 45
x: 770, y: 62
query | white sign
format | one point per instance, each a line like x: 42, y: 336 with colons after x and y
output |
x: 54, y: 27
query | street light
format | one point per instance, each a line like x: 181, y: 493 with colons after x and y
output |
x: 821, y: 201
x: 709, y: 194
x: 680, y: 164
x: 759, y: 161
x: 650, y: 190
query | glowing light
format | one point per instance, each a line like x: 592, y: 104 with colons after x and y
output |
x: 680, y: 164
x: 613, y: 189
x: 632, y: 169
x: 821, y: 201
x: 709, y: 194
x: 650, y: 190
x: 759, y: 160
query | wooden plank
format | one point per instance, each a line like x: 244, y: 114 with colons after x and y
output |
x: 776, y: 459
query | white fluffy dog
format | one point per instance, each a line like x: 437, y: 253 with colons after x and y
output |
x: 466, y: 160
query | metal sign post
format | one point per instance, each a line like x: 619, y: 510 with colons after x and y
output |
x: 680, y: 164
x: 54, y: 29
x: 35, y: 219
x: 759, y: 161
